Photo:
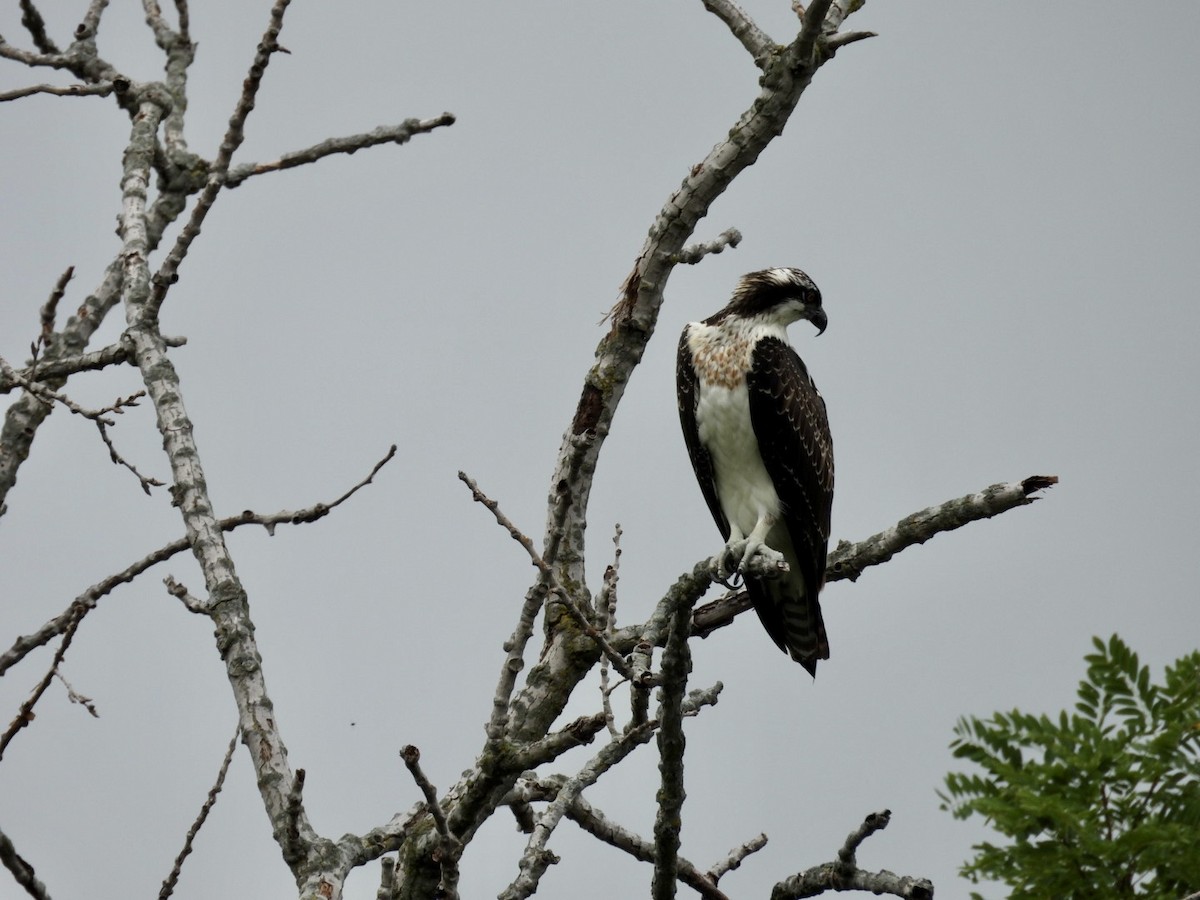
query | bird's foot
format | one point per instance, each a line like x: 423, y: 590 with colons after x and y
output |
x: 737, y: 555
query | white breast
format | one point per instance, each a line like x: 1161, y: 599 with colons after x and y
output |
x: 744, y: 488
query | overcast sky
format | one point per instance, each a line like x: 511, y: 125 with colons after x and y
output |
x: 998, y: 202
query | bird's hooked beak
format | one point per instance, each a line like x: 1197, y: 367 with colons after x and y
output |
x: 818, y: 318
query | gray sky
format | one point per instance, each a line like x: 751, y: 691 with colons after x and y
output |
x: 999, y: 205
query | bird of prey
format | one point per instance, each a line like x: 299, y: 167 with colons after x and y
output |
x: 758, y: 436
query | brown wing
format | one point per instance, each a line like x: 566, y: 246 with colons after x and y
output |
x: 687, y: 387
x: 792, y: 429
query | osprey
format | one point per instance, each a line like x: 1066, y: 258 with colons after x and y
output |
x: 757, y: 433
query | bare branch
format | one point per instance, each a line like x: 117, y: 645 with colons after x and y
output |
x: 850, y: 560
x: 103, y: 89
x: 736, y: 856
x: 91, y: 20
x: 606, y: 619
x: 753, y: 38
x: 572, y: 606
x: 384, y: 134
x: 536, y: 858
x: 168, y: 272
x: 451, y: 848
x: 29, y: 58
x: 25, y: 713
x: 412, y: 760
x: 293, y: 839
x: 36, y: 26
x: 387, y: 879
x: 46, y: 371
x: 578, y: 733
x: 691, y: 255
x: 21, y: 870
x: 676, y: 665
x: 46, y: 395
x: 844, y: 875
x: 850, y: 37
x: 181, y: 593
x: 49, y: 311
x: 75, y: 697
x: 172, y: 879
x: 848, y: 854
x: 595, y: 823
x: 87, y: 601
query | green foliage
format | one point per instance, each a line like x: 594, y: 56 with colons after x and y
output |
x: 1102, y: 802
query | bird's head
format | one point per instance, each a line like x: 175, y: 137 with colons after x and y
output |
x: 781, y: 295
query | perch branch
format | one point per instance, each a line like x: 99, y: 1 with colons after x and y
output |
x: 849, y: 561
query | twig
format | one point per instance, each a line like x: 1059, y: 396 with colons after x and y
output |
x: 75, y: 697
x: 49, y: 310
x: 168, y: 272
x: 21, y: 870
x: 549, y: 578
x: 606, y: 620
x: 447, y: 854
x: 172, y: 879
x: 25, y: 713
x: 98, y: 416
x: 87, y: 601
x: 692, y: 254
x: 384, y: 134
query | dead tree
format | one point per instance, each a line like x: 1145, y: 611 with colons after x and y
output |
x: 513, y: 771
